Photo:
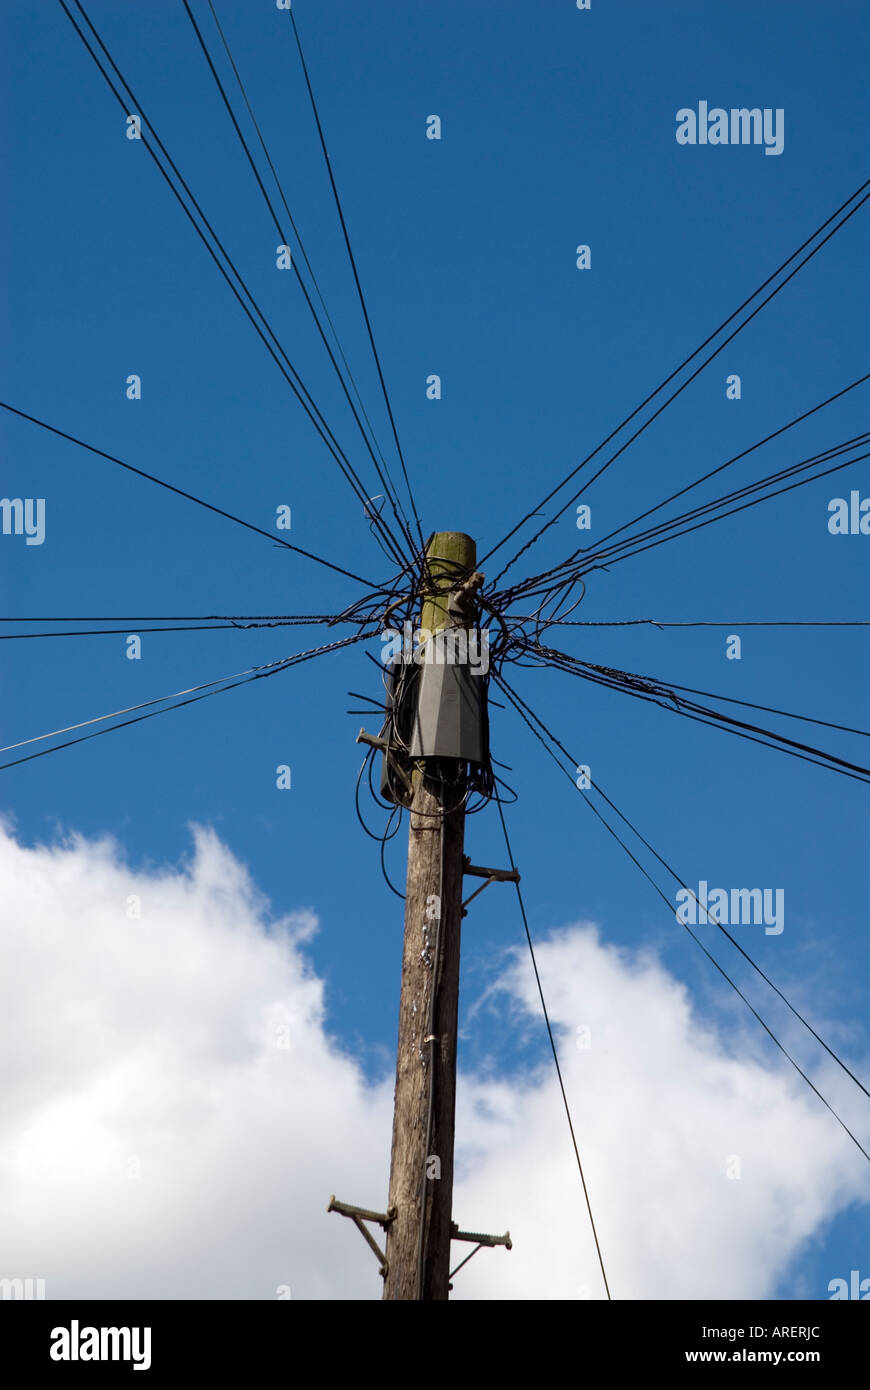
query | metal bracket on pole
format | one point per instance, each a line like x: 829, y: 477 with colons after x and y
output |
x: 373, y: 741
x: 478, y: 1239
x: 358, y: 1215
x: 491, y: 876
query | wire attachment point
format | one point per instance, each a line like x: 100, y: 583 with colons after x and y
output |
x: 360, y: 1214
x: 491, y: 876
x: 478, y: 1239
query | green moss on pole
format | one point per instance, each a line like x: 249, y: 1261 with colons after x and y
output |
x: 452, y: 557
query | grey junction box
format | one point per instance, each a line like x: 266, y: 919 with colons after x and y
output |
x: 449, y: 717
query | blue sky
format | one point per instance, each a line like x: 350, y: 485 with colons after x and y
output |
x: 558, y: 129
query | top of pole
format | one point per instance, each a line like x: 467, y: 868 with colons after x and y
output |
x: 451, y: 556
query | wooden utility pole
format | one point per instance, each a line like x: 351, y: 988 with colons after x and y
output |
x: 435, y: 744
x: 421, y: 1169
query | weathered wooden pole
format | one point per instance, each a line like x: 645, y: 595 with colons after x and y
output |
x: 421, y: 1169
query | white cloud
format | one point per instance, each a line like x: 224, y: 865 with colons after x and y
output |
x: 175, y: 1111
x: 662, y: 1106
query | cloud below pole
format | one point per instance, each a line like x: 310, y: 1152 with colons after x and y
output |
x: 177, y: 1108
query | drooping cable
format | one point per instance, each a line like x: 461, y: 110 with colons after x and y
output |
x: 358, y: 283
x: 717, y: 510
x: 735, y: 458
x: 603, y: 557
x: 180, y: 492
x: 383, y: 477
x: 553, y: 1048
x: 254, y: 314
x: 547, y: 738
x: 216, y: 687
x: 861, y: 196
x: 298, y: 235
x: 646, y: 688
